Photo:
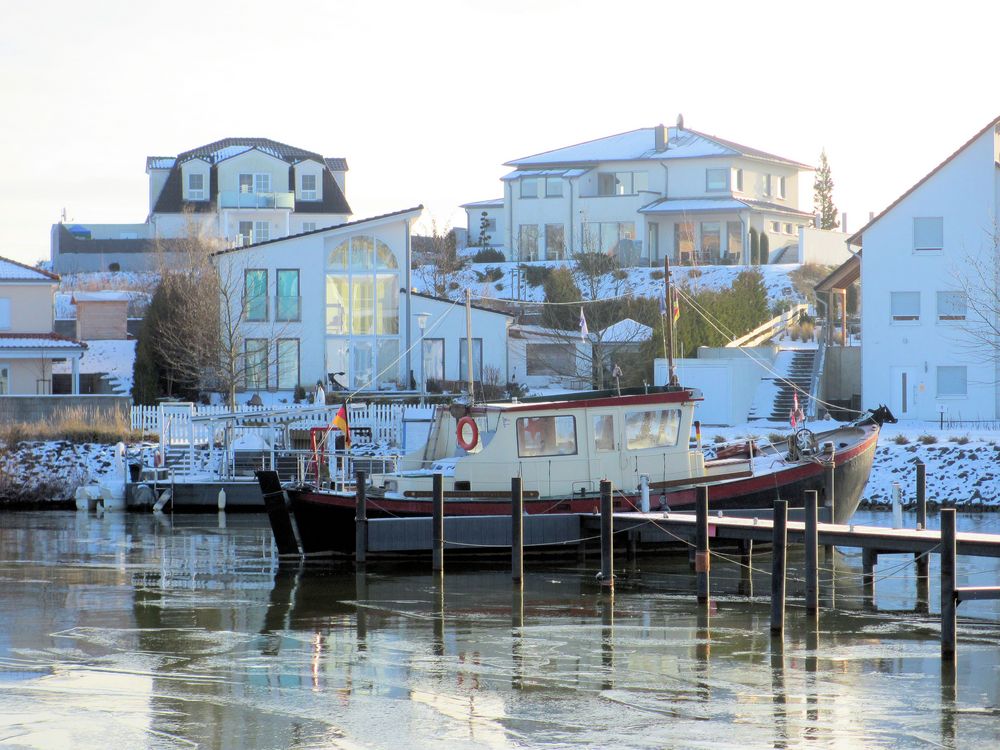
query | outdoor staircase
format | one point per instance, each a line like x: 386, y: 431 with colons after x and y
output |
x: 793, y: 374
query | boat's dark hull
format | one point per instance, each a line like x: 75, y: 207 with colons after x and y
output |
x: 325, y: 520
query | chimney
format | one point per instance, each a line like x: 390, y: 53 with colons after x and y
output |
x: 843, y: 222
x: 662, y: 136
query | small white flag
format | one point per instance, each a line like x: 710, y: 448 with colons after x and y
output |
x: 584, y: 333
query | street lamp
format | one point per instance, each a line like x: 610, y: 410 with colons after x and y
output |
x: 422, y: 324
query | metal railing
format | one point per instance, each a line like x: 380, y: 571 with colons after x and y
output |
x: 238, y: 199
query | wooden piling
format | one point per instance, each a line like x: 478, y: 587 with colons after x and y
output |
x: 437, y: 522
x: 869, y: 559
x: 831, y: 503
x: 516, y: 529
x: 949, y: 602
x: 779, y: 540
x: 607, y: 537
x: 921, y: 559
x: 812, y: 551
x: 746, y: 567
x: 360, y: 519
x: 702, y: 560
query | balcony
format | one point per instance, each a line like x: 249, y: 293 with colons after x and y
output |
x: 236, y: 199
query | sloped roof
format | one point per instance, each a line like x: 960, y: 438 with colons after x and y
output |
x: 227, y: 148
x: 626, y: 331
x: 682, y: 143
x: 495, y: 203
x: 38, y: 341
x: 337, y: 164
x: 11, y: 270
x: 727, y: 203
x: 857, y: 237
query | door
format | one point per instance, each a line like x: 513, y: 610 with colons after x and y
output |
x: 905, y: 389
x: 605, y: 449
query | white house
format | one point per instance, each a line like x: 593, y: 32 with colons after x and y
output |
x: 541, y: 357
x: 236, y: 190
x: 496, y: 229
x: 918, y: 260
x: 648, y: 194
x: 336, y: 305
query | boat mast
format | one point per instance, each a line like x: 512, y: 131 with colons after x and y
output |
x: 468, y: 343
x: 668, y: 292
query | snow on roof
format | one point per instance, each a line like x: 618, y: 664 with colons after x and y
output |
x: 160, y: 162
x: 11, y: 270
x: 495, y: 203
x: 626, y: 331
x: 103, y: 296
x: 641, y: 144
x: 115, y: 358
x: 686, y: 205
x: 48, y: 341
x: 543, y: 173
x: 229, y: 152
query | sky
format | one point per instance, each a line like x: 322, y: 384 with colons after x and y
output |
x: 427, y: 100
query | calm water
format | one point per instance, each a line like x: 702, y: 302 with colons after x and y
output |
x: 126, y: 631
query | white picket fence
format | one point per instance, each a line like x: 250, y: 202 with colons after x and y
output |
x: 175, y: 426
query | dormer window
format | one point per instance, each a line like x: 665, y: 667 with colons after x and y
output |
x: 196, y: 187
x: 255, y: 183
x: 739, y: 179
x: 767, y: 185
x: 781, y: 187
x: 308, y: 187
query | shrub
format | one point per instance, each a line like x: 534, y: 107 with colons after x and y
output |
x: 498, y: 287
x: 493, y: 273
x: 620, y: 274
x: 719, y: 439
x: 961, y: 439
x: 927, y: 439
x: 536, y: 275
x: 776, y: 438
x: 694, y: 273
x: 656, y: 275
x: 453, y: 285
x: 488, y: 255
x: 901, y: 440
x: 299, y: 394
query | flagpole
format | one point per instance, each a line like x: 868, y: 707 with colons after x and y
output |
x: 669, y: 298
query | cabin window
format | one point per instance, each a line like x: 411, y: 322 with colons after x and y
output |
x: 652, y: 429
x: 604, y: 432
x: 546, y: 436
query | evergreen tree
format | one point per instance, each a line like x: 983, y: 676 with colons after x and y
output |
x: 765, y: 250
x: 484, y: 225
x: 823, y: 195
x: 754, y: 258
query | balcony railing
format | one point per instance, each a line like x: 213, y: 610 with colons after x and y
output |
x: 258, y: 308
x: 235, y: 199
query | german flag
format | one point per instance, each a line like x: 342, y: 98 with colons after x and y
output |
x: 340, y: 422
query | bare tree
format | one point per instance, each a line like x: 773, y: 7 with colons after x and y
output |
x: 977, y: 284
x: 436, y: 260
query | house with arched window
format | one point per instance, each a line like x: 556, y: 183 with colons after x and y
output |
x: 337, y: 306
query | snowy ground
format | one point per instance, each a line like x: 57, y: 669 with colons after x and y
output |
x: 114, y: 357
x: 639, y: 281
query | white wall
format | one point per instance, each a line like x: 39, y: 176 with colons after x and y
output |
x: 963, y: 192
x: 823, y: 246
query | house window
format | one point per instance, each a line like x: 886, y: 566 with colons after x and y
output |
x: 621, y: 183
x: 288, y: 363
x: 711, y: 240
x: 734, y: 232
x: 684, y: 240
x: 308, y: 226
x: 905, y: 306
x: 491, y: 224
x: 781, y: 187
x: 477, y: 359
x: 716, y: 180
x: 262, y: 183
x: 4, y: 380
x: 767, y: 184
x: 289, y: 303
x: 308, y: 187
x: 256, y: 363
x: 246, y: 183
x: 604, y: 432
x: 529, y: 187
x: 255, y: 294
x: 739, y: 179
x: 196, y: 187
x: 4, y: 314
x: 776, y: 227
x: 651, y: 429
x: 245, y: 236
x: 261, y: 231
x: 433, y: 360
x: 553, y: 187
x: 788, y: 228
x: 610, y: 237
x: 546, y: 436
x: 555, y: 242
x: 928, y: 233
x: 550, y: 359
x: 951, y: 306
x: 527, y: 239
x: 952, y: 381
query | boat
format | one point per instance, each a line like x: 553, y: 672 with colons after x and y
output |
x: 645, y: 441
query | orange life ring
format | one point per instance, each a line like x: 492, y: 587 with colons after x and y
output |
x: 464, y: 444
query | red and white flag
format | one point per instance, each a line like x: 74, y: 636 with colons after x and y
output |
x: 794, y: 413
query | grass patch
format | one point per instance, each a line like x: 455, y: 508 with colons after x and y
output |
x: 74, y: 425
x: 961, y: 439
x: 927, y: 439
x: 901, y: 440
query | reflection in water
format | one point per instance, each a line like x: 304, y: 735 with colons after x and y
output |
x: 172, y: 632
